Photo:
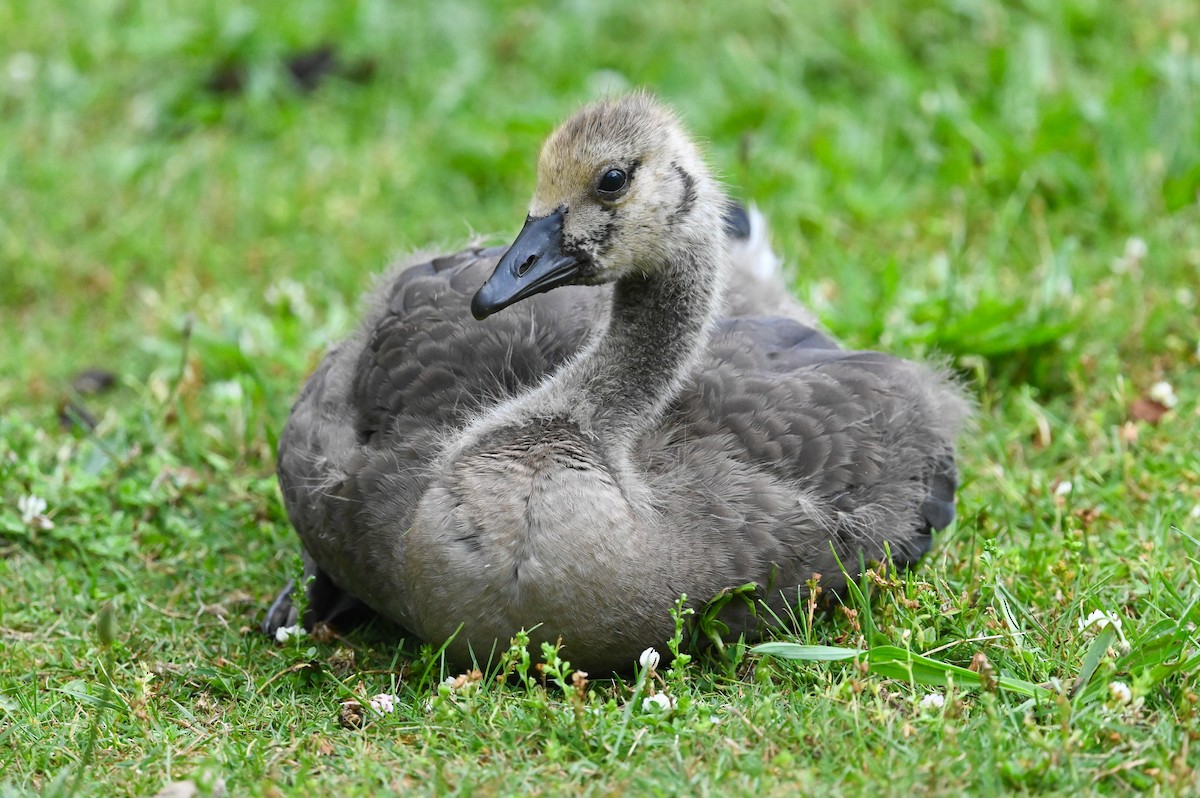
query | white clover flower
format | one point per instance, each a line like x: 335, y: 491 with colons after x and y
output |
x: 31, y: 506
x: 1131, y: 259
x: 21, y: 68
x: 284, y: 633
x: 932, y: 701
x: 1101, y: 620
x: 1064, y: 488
x: 384, y: 703
x: 1136, y: 249
x: 292, y: 295
x: 1120, y: 692
x: 464, y: 681
x: 1164, y: 393
x: 33, y: 512
x: 659, y: 702
x: 649, y: 659
x: 229, y: 391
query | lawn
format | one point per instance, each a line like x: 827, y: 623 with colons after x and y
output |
x: 193, y: 195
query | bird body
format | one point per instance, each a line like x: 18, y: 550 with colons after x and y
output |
x: 578, y: 458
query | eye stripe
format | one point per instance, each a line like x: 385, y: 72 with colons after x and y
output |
x: 689, y: 193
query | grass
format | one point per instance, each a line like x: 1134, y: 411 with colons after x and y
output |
x: 975, y: 178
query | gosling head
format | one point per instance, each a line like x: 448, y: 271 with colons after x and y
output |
x: 621, y: 190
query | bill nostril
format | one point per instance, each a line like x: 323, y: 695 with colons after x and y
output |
x: 524, y: 268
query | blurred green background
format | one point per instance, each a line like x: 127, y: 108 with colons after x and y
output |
x: 193, y: 194
x: 950, y: 173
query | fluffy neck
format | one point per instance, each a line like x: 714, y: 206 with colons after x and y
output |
x: 622, y: 382
x: 619, y: 385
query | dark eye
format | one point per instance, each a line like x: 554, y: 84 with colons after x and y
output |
x: 612, y: 184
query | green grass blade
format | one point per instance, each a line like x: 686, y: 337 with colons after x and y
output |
x: 795, y: 651
x: 1091, y: 661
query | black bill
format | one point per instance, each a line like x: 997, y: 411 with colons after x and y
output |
x: 533, y: 264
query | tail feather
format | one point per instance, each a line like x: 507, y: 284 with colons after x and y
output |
x: 762, y: 289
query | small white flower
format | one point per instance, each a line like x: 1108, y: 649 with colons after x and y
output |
x: 1098, y: 620
x: 21, y: 68
x: 659, y: 702
x: 1136, y: 249
x: 1164, y: 393
x: 284, y: 633
x: 1064, y: 488
x: 1120, y: 692
x: 649, y: 659
x: 1101, y: 620
x: 32, y: 506
x: 143, y: 112
x: 33, y: 512
x: 229, y: 391
x: 932, y: 701
x: 1131, y: 259
x: 384, y: 703
x: 1195, y: 513
x: 292, y: 296
x: 463, y: 682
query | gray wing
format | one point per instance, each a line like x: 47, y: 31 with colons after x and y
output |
x: 790, y: 454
